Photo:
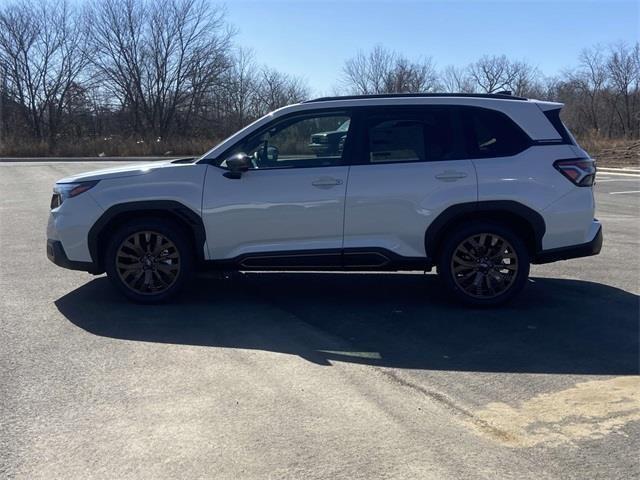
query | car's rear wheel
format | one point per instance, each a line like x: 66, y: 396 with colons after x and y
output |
x: 484, y: 263
x: 149, y: 260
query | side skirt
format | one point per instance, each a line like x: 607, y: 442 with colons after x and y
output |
x: 351, y: 259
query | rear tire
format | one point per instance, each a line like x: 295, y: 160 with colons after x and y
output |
x: 149, y: 260
x: 484, y: 263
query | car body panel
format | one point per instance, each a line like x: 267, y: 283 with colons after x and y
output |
x: 391, y: 205
x: 531, y: 179
x: 275, y: 209
x: 72, y: 220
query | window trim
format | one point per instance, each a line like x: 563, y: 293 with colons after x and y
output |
x: 347, y: 154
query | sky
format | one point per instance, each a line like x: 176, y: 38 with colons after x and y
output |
x: 312, y: 39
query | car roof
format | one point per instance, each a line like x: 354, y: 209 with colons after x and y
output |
x: 504, y: 95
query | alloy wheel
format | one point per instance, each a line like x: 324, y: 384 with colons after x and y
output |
x: 484, y: 265
x: 148, y: 262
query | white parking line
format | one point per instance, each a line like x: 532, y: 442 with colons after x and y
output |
x: 622, y: 193
x: 634, y: 175
x: 605, y: 180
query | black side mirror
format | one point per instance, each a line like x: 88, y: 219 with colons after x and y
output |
x: 238, y: 163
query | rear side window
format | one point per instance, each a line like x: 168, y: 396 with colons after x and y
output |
x: 492, y: 134
x: 396, y: 140
x: 412, y: 136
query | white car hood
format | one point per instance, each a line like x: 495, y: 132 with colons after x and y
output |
x: 118, y: 172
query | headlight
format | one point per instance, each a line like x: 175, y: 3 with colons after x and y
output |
x: 62, y: 191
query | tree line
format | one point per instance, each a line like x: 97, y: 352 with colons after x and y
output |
x: 159, y: 76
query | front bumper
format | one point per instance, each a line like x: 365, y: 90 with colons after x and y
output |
x: 574, y: 251
x: 56, y: 253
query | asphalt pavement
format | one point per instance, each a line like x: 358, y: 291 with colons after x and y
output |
x: 316, y: 376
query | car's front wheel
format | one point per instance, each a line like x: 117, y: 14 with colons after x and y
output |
x: 484, y: 263
x: 149, y: 260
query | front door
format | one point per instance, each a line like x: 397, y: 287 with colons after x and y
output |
x: 288, y: 209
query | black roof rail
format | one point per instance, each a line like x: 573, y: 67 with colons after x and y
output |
x: 501, y: 95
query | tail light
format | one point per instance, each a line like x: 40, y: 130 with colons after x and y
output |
x: 580, y: 171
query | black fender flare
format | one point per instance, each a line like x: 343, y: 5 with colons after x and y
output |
x: 175, y: 209
x: 484, y: 209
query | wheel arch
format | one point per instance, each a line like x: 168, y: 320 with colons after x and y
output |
x: 526, y: 222
x: 118, y: 214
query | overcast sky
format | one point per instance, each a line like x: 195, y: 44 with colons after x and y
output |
x: 313, y: 38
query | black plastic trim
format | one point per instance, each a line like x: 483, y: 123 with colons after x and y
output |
x: 456, y: 212
x: 322, y: 259
x: 575, y: 251
x: 554, y: 118
x: 191, y: 218
x: 56, y: 253
x: 499, y: 96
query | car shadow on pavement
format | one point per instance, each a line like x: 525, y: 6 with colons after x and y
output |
x: 392, y: 320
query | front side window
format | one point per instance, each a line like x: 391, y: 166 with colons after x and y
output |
x: 301, y: 141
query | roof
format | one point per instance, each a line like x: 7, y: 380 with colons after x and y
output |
x: 500, y: 96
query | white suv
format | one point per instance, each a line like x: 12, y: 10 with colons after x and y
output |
x: 479, y: 186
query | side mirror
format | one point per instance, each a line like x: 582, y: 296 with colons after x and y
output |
x: 238, y: 163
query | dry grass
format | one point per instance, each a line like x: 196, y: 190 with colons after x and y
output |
x: 612, y: 152
x: 109, y: 147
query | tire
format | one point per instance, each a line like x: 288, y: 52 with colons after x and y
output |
x: 477, y: 269
x: 151, y: 245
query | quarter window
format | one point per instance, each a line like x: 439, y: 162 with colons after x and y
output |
x: 493, y: 134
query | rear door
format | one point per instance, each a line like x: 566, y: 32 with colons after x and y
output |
x: 409, y: 168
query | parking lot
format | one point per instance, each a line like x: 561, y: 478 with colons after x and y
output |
x: 304, y: 376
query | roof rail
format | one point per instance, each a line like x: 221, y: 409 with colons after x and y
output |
x: 501, y: 95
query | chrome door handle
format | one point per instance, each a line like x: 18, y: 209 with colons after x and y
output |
x: 450, y: 176
x: 326, y: 182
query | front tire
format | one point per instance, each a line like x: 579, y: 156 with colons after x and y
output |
x: 149, y: 260
x: 484, y: 264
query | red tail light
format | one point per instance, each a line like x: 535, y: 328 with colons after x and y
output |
x: 580, y: 171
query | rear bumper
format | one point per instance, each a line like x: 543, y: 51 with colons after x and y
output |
x: 574, y: 251
x: 56, y: 253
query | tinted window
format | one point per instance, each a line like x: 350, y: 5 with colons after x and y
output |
x: 396, y: 140
x: 302, y: 141
x: 493, y: 134
x: 413, y: 136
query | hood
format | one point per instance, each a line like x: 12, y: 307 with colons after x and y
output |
x: 124, y: 171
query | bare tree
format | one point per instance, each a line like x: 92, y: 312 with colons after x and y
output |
x: 383, y: 71
x: 624, y: 74
x: 275, y: 89
x: 42, y: 55
x: 456, y: 80
x: 240, y: 85
x: 591, y: 79
x: 159, y: 57
x: 492, y: 73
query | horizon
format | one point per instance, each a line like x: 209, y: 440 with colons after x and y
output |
x: 560, y: 30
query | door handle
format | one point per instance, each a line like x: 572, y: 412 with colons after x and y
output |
x: 326, y: 182
x: 450, y: 176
